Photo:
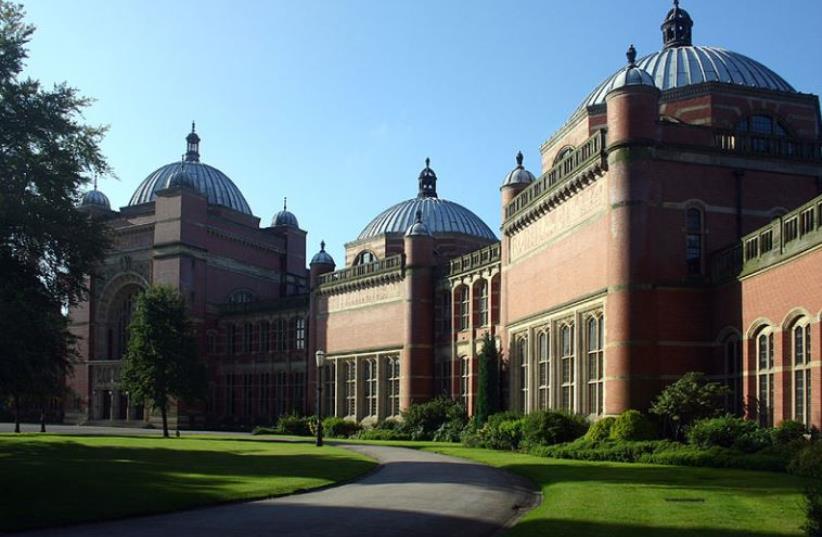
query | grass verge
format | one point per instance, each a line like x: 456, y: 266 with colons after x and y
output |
x: 53, y: 480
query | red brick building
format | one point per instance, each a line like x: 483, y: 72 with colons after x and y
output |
x: 676, y: 225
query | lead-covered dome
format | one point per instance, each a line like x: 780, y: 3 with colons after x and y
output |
x: 95, y: 198
x: 680, y: 64
x: 285, y: 217
x: 207, y: 180
x: 440, y: 216
x: 519, y: 175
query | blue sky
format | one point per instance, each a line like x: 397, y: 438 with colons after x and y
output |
x: 336, y: 104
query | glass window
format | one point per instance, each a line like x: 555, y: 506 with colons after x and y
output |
x: 801, y: 349
x: 693, y: 247
x: 392, y: 407
x: 365, y: 257
x: 733, y: 376
x: 522, y: 359
x: 481, y: 303
x: 300, y: 329
x: 462, y: 307
x: 329, y: 390
x: 765, y: 378
x: 351, y: 388
x: 595, y: 366
x: 544, y: 381
x: 247, y: 337
x: 567, y: 367
x: 278, y: 335
x: 370, y: 378
x: 465, y: 380
x: 264, y: 342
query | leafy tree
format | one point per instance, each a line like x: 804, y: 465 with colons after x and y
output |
x: 689, y: 399
x: 488, y: 380
x: 47, y: 247
x: 161, y: 361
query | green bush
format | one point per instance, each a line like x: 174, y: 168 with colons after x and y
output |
x: 549, y: 427
x: 788, y: 431
x: 813, y: 509
x: 264, y: 430
x: 631, y: 425
x: 381, y: 434
x: 600, y: 430
x: 808, y: 462
x: 335, y: 427
x: 728, y: 431
x: 502, y: 431
x: 293, y: 425
x: 440, y: 419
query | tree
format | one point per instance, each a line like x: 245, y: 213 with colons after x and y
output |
x: 161, y: 359
x: 488, y: 380
x: 47, y: 247
x: 689, y: 399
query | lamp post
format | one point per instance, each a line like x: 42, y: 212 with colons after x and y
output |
x: 319, y: 356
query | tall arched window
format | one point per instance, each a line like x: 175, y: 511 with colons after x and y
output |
x: 566, y: 335
x: 693, y: 247
x: 765, y: 377
x: 765, y: 133
x: 564, y: 152
x: 370, y: 377
x: 544, y: 381
x: 801, y: 378
x: 465, y: 380
x: 462, y: 297
x: 733, y: 375
x: 265, y: 342
x: 350, y: 394
x: 481, y: 303
x: 124, y: 311
x: 522, y: 361
x: 392, y: 403
x: 299, y: 330
x: 595, y: 365
x: 247, y: 337
x: 278, y: 335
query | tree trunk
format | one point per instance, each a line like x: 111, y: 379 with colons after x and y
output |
x: 43, y: 418
x: 16, y: 414
x: 164, y: 413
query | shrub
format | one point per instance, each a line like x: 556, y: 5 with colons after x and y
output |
x: 687, y: 400
x: 502, y: 431
x: 813, y: 509
x: 293, y: 424
x: 381, y: 434
x: 727, y: 431
x: 808, y: 462
x: 632, y: 425
x: 549, y: 427
x: 441, y: 418
x: 335, y: 427
x: 600, y: 430
x: 264, y: 430
x: 788, y: 431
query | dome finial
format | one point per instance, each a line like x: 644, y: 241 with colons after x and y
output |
x: 192, y: 146
x: 519, y: 159
x: 95, y: 181
x: 322, y: 245
x: 285, y: 203
x: 631, y: 55
x: 427, y: 181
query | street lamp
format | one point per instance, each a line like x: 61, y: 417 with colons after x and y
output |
x: 319, y: 356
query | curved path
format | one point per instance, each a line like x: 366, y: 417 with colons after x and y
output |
x: 412, y: 493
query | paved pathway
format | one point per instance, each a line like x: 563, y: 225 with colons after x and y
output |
x: 413, y: 493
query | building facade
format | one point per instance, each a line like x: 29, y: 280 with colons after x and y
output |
x: 675, y: 226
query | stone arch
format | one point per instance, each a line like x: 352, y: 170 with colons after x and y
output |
x: 757, y: 325
x: 794, y: 315
x: 121, y: 287
x: 726, y: 333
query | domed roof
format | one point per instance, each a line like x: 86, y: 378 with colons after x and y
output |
x: 440, y: 216
x: 418, y: 228
x: 631, y: 75
x: 181, y: 178
x: 680, y: 64
x: 322, y: 257
x: 285, y: 217
x: 518, y: 175
x: 209, y: 181
x: 95, y: 198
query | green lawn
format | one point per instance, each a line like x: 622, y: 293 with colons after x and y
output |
x: 639, y: 500
x: 57, y: 479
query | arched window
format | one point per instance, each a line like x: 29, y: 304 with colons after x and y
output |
x: 124, y: 310
x: 595, y: 365
x: 462, y: 307
x: 330, y: 389
x: 465, y: 380
x: 247, y: 337
x: 733, y: 375
x: 370, y: 377
x: 265, y: 342
x: 278, y: 335
x: 392, y: 403
x: 365, y: 257
x: 801, y: 378
x: 522, y: 361
x: 481, y: 303
x: 544, y: 363
x: 765, y: 134
x: 241, y: 297
x: 693, y: 248
x: 299, y: 331
x: 233, y: 345
x: 564, y: 152
x: 566, y: 335
x: 765, y: 377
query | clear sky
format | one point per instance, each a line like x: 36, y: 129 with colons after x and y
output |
x: 336, y: 104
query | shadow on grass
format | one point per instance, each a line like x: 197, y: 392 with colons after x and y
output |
x: 66, y: 480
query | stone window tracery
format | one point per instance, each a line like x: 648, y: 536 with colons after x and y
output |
x: 465, y: 380
x: 522, y: 362
x: 463, y: 318
x: 299, y: 329
x: 393, y: 386
x: 595, y: 365
x: 365, y: 257
x: 350, y: 378
x: 566, y: 334
x: 544, y: 367
x: 765, y: 376
x: 801, y: 374
x: 481, y: 303
x: 370, y: 380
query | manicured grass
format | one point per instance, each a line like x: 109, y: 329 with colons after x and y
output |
x: 52, y: 480
x: 638, y: 500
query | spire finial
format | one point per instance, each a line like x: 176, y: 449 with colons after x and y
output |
x: 519, y: 159
x: 427, y: 162
x: 192, y: 126
x: 631, y: 55
x: 676, y: 3
x: 95, y: 181
x: 192, y: 146
x: 285, y: 203
x: 322, y: 246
